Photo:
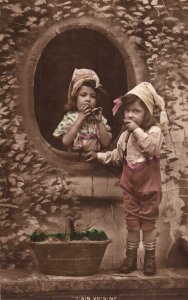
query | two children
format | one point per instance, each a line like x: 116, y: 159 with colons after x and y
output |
x: 83, y: 127
x: 138, y: 148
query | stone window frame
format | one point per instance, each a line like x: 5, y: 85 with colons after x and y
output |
x: 134, y: 65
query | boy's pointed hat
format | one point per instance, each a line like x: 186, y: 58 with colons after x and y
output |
x: 146, y: 92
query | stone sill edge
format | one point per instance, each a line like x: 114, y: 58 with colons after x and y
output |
x: 102, y: 282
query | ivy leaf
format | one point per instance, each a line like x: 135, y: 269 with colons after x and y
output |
x: 12, y: 180
x: 6, y: 87
x: 10, y: 62
x: 3, y: 111
x: 121, y: 8
x: 45, y: 201
x: 75, y: 10
x: 12, y: 81
x: 4, y: 239
x: 20, y: 140
x: 20, y: 184
x: 2, y: 141
x: 19, y: 157
x: 148, y: 44
x: 16, y: 9
x: 31, y: 21
x: 29, y: 230
x: 171, y: 19
x: 37, y: 166
x: 27, y: 159
x: 154, y: 2
x: 20, y: 232
x: 137, y: 13
x: 22, y: 238
x: 38, y: 207
x: 1, y: 37
x: 42, y: 22
x: 120, y: 13
x: 42, y: 212
x: 52, y: 181
x: 154, y: 56
x: 23, y: 30
x: 40, y: 2
x: 21, y: 167
x: 66, y: 3
x: 4, y: 121
x: 136, y: 39
x: 53, y: 209
x: 148, y: 21
x: 5, y: 47
x: 18, y: 191
x: 105, y: 8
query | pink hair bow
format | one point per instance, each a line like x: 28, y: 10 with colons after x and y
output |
x: 117, y: 105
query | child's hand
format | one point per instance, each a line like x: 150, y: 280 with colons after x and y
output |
x: 85, y: 112
x: 97, y: 113
x: 90, y: 156
x: 130, y: 125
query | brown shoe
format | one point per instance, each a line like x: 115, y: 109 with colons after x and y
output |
x: 149, y: 263
x: 130, y: 262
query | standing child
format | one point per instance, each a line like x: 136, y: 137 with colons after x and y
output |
x: 139, y: 148
x: 83, y: 127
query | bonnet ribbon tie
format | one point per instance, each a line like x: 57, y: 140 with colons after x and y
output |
x: 117, y: 105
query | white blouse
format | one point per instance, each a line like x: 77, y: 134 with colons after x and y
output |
x: 136, y: 147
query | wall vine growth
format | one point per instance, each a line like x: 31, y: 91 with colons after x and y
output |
x: 34, y: 193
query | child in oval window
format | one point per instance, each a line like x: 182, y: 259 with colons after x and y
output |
x: 83, y: 127
x: 138, y: 148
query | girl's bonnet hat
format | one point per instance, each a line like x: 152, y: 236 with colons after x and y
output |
x: 146, y: 92
x: 78, y: 78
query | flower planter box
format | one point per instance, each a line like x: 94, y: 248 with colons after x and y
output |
x: 74, y: 258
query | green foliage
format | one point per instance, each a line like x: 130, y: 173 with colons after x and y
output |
x: 30, y: 188
x: 92, y: 234
x: 38, y: 237
x: 77, y: 235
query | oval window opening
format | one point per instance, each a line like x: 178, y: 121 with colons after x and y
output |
x: 78, y: 48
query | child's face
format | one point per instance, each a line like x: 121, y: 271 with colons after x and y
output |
x: 134, y: 112
x: 86, y: 96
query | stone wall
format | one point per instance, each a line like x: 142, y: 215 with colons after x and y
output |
x: 34, y: 191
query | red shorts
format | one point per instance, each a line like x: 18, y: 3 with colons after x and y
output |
x: 142, y: 194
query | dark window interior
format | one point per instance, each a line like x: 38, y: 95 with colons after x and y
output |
x: 78, y: 48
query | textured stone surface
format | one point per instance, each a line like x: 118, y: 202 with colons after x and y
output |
x: 150, y: 35
x: 168, y: 284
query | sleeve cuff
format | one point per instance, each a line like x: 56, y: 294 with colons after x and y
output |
x: 101, y: 156
x: 139, y: 133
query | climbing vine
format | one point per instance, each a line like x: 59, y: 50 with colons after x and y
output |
x: 32, y: 192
